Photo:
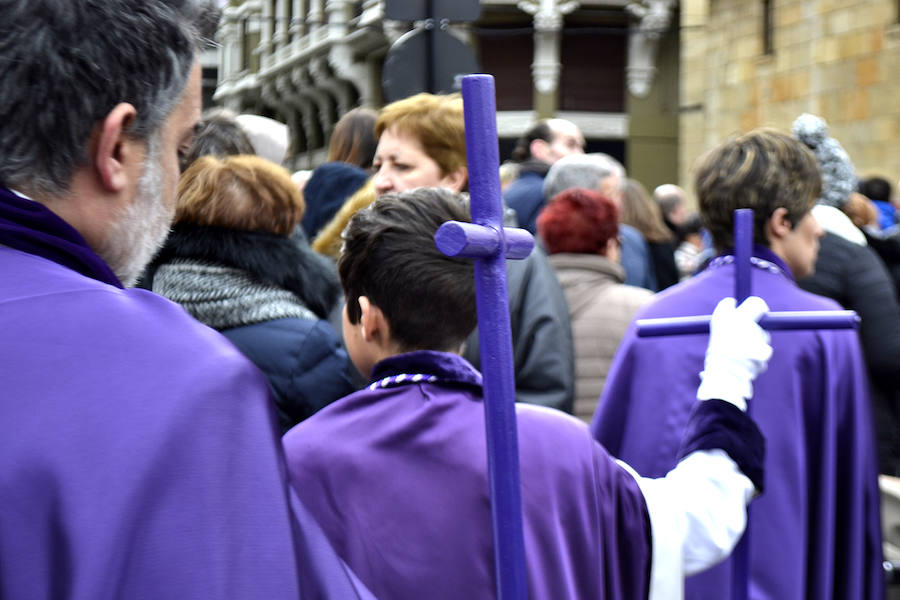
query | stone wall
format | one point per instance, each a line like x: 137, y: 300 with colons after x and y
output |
x: 835, y: 58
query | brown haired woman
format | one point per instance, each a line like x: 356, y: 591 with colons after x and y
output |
x: 231, y: 263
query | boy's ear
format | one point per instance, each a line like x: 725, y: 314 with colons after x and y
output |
x: 778, y: 226
x: 374, y: 325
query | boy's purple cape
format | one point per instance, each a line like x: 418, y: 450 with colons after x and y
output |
x: 140, y: 457
x: 407, y: 502
x: 815, y: 532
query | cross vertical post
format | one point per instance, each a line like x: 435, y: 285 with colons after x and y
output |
x: 743, y: 249
x: 490, y: 244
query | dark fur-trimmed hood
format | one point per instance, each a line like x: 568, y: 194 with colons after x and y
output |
x: 285, y: 262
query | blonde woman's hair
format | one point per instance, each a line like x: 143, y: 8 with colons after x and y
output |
x: 436, y: 121
x: 329, y: 241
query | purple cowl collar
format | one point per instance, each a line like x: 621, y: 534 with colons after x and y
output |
x: 31, y: 227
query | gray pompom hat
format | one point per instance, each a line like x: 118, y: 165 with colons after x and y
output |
x: 838, y: 174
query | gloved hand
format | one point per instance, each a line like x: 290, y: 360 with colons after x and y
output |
x: 738, y: 351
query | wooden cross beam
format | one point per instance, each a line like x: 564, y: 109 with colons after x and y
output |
x: 490, y: 244
x: 771, y: 321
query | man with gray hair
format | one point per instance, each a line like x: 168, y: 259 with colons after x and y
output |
x: 602, y: 173
x: 140, y: 457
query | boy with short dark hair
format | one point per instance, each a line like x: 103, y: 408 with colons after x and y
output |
x: 397, y: 473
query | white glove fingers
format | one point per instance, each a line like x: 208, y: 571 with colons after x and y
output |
x: 753, y: 307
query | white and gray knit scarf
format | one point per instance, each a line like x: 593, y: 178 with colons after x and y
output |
x: 224, y: 297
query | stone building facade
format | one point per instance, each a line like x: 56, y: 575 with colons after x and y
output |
x: 611, y: 66
x: 753, y: 63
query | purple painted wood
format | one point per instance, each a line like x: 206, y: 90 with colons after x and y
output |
x: 477, y: 241
x: 743, y: 249
x: 772, y: 321
x: 486, y: 240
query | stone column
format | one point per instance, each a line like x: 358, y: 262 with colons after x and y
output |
x: 298, y: 29
x: 267, y: 20
x: 229, y: 50
x: 280, y: 25
x: 317, y: 26
x: 339, y: 14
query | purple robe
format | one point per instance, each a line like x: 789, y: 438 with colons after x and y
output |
x: 140, y: 455
x: 396, y: 474
x: 815, y: 532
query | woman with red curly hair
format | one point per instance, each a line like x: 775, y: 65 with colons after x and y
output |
x: 580, y: 231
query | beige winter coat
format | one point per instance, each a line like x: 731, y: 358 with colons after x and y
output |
x: 601, y: 307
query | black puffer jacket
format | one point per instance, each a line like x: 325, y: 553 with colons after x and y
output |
x: 269, y: 295
x: 855, y: 277
x: 888, y: 248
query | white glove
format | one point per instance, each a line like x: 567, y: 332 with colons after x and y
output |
x: 738, y: 351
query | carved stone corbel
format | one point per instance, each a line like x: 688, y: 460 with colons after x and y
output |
x: 340, y: 90
x: 654, y: 18
x: 548, y: 21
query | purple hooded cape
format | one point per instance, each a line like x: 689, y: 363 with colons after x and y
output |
x: 139, y: 457
x: 815, y: 532
x: 396, y: 474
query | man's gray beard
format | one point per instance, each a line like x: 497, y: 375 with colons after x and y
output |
x: 141, y: 228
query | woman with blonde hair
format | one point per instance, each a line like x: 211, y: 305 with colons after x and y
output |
x: 422, y: 143
x: 231, y: 263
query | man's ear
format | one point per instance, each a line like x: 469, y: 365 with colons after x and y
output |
x: 374, y: 325
x: 538, y: 149
x: 114, y: 149
x: 779, y: 225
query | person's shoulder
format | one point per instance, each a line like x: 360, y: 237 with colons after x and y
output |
x: 799, y: 299
x: 633, y: 294
x: 53, y: 297
x: 525, y: 185
x: 689, y: 297
x: 536, y: 420
x: 527, y: 178
x: 294, y: 342
x: 123, y: 347
x: 633, y: 239
x: 552, y: 440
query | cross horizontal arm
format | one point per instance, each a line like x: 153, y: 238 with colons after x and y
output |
x: 771, y: 321
x: 469, y: 240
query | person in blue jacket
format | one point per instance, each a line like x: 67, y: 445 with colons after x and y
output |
x: 230, y: 261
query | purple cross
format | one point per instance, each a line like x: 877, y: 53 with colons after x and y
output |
x: 772, y: 321
x: 490, y: 244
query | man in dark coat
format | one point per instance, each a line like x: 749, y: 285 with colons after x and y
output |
x: 543, y: 144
